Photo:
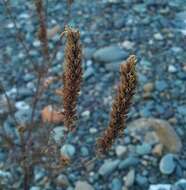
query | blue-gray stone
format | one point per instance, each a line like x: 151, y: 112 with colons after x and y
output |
x: 84, y: 151
x: 141, y: 180
x: 161, y: 85
x: 35, y: 188
x: 110, y: 54
x: 88, y: 52
x: 88, y: 72
x: 114, y: 66
x: 145, y: 63
x: 108, y: 167
x: 143, y: 149
x: 68, y: 150
x: 25, y: 92
x: 180, y: 185
x: 140, y: 8
x: 28, y: 77
x: 23, y: 116
x: 182, y: 110
x: 128, y: 162
x: 58, y: 133
x: 167, y: 164
x: 116, y: 184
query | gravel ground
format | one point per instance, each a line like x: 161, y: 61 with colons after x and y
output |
x: 155, y: 31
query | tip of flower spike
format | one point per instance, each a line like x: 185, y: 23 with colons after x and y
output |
x: 129, y: 63
x: 70, y: 31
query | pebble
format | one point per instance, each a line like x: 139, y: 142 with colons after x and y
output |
x: 4, y: 174
x: 128, y: 162
x: 158, y: 36
x: 120, y: 150
x: 114, y: 66
x: 172, y: 69
x: 161, y: 85
x: 160, y: 187
x: 68, y: 150
x: 22, y: 105
x: 109, y: 54
x: 143, y: 149
x: 4, y: 107
x: 83, y: 185
x: 116, y: 184
x: 148, y: 87
x: 89, y: 72
x: 141, y: 180
x: 62, y: 180
x: 108, y: 167
x: 93, y: 130
x: 180, y: 185
x: 158, y: 150
x: 58, y: 133
x: 127, y: 44
x: 130, y: 178
x: 167, y: 164
x: 35, y: 188
x: 23, y: 116
x: 84, y: 151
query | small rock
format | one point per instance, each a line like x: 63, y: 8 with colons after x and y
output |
x: 143, y: 149
x: 158, y: 36
x: 161, y: 132
x: 83, y: 185
x: 145, y: 63
x: 172, y: 69
x: 120, y: 150
x: 68, y: 150
x: 86, y: 114
x: 23, y: 116
x: 130, y: 177
x: 140, y: 8
x: 113, y: 66
x: 116, y: 184
x: 110, y: 54
x: 28, y: 77
x: 148, y: 87
x: 160, y: 187
x: 127, y: 45
x: 182, y: 110
x: 108, y: 167
x: 158, y: 150
x: 21, y: 105
x: 88, y: 73
x: 24, y: 93
x: 84, y: 151
x: 167, y: 164
x: 35, y: 188
x: 141, y: 180
x: 128, y: 162
x: 4, y: 107
x: 62, y: 181
x: 88, y: 52
x: 180, y: 185
x: 93, y: 130
x: 4, y: 174
x: 161, y: 85
x: 58, y: 133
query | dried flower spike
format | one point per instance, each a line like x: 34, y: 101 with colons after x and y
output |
x: 121, y: 104
x: 72, y: 76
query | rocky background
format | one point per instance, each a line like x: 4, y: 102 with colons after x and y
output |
x: 151, y: 155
